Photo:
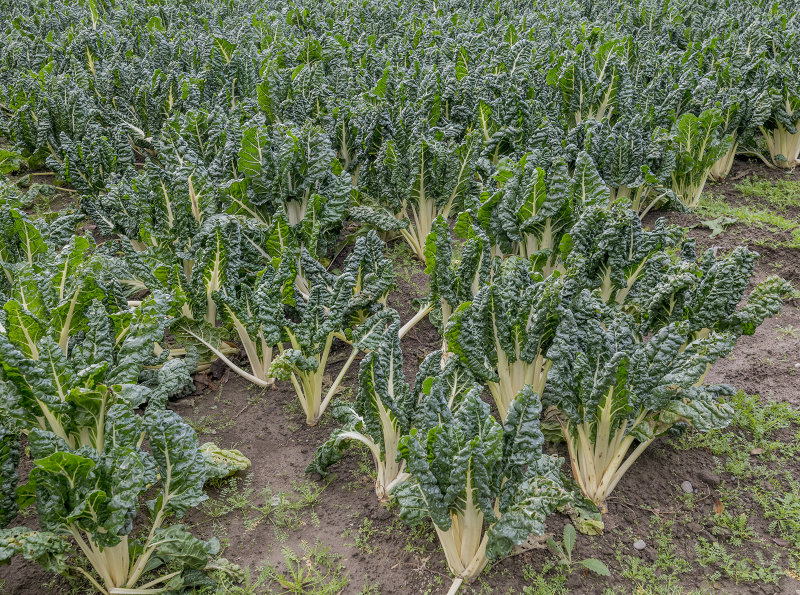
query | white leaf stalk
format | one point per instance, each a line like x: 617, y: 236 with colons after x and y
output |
x: 783, y: 146
x: 412, y: 322
x: 308, y: 383
x: 643, y: 198
x: 599, y: 465
x: 260, y: 375
x: 464, y: 543
x: 722, y: 167
x: 514, y: 376
x: 420, y: 218
x: 388, y: 471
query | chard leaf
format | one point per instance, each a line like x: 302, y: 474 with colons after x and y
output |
x: 42, y: 547
x: 9, y: 459
x: 181, y: 465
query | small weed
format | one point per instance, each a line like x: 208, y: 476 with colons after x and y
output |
x: 418, y: 538
x: 292, y: 408
x: 563, y: 552
x: 784, y: 512
x: 362, y: 537
x: 211, y: 424
x: 315, y: 570
x: 716, y: 207
x: 734, y: 566
x: 777, y: 193
x: 733, y: 527
x: 661, y: 575
x: 370, y: 589
x: 787, y: 331
x: 232, y: 497
x: 281, y: 509
x: 403, y: 261
x: 551, y: 580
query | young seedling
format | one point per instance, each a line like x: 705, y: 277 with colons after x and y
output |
x: 563, y: 551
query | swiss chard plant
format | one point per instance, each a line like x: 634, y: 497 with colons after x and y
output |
x: 502, y: 335
x: 423, y: 176
x: 90, y: 470
x: 533, y: 207
x: 90, y: 496
x: 698, y: 143
x: 485, y: 486
x: 28, y: 243
x: 382, y: 413
x: 310, y: 327
x: 609, y: 249
x: 709, y: 294
x: 255, y: 312
x: 616, y: 393
x: 69, y: 394
x: 386, y: 408
x: 635, y: 160
x: 292, y: 172
x: 268, y: 310
x: 783, y: 141
x: 454, y: 278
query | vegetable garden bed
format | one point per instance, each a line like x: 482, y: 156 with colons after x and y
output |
x: 399, y: 299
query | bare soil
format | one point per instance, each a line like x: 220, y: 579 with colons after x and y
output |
x: 378, y: 551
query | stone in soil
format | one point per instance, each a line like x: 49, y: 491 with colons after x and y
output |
x: 687, y: 487
x: 639, y: 545
x: 710, y: 478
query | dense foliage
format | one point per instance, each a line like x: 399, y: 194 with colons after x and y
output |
x: 239, y: 168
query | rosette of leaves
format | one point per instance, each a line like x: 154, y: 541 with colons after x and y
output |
x: 454, y: 278
x: 91, y: 495
x: 160, y: 207
x: 90, y: 161
x: 616, y: 392
x: 781, y: 131
x: 53, y: 290
x: 373, y: 274
x: 419, y: 176
x: 292, y: 172
x: 698, y: 143
x: 503, y: 334
x: 744, y: 96
x: 261, y: 308
x: 593, y: 79
x: 382, y: 413
x: 533, y: 208
x: 709, y: 294
x: 311, y: 324
x: 487, y: 487
x: 30, y: 241
x: 608, y: 249
x: 70, y: 393
x: 206, y: 137
x: 174, y: 240
x: 255, y: 311
x: 634, y: 159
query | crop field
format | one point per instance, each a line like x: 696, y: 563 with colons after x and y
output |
x: 400, y: 297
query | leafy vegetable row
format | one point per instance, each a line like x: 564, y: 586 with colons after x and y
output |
x: 241, y: 166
